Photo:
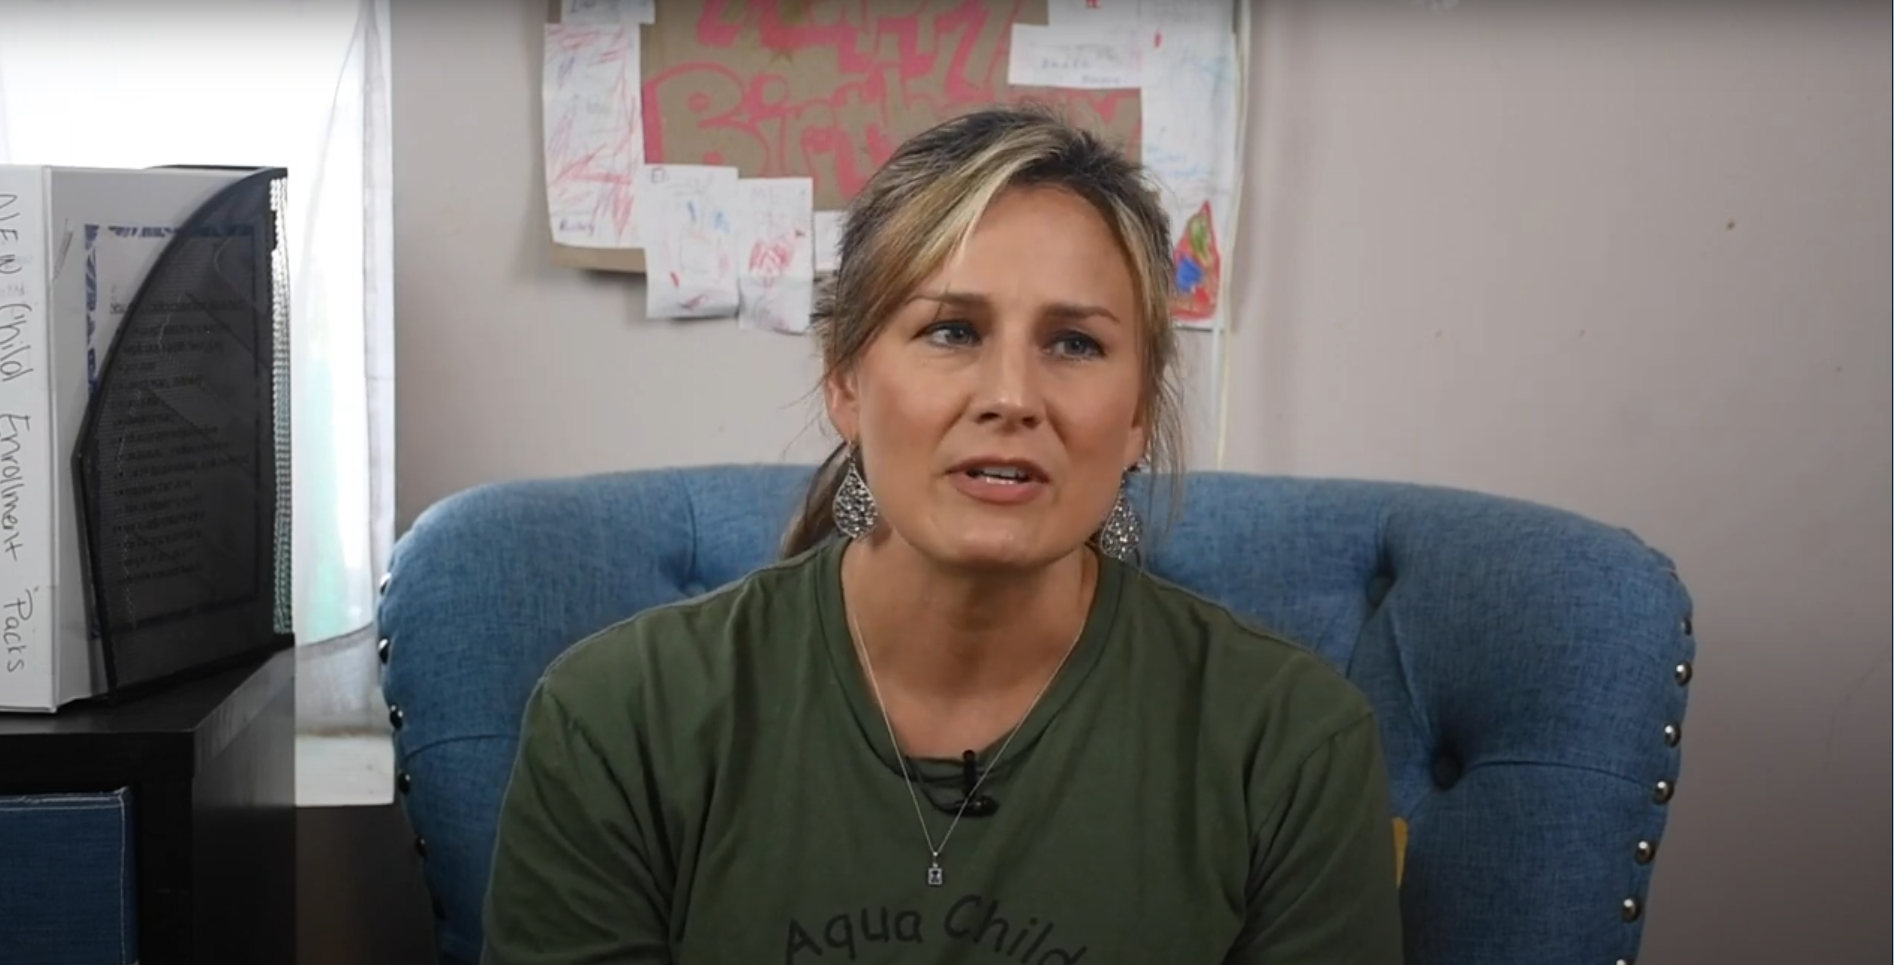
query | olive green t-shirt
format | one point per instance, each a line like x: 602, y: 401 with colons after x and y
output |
x: 711, y: 783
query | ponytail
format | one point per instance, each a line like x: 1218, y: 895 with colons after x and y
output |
x: 815, y: 521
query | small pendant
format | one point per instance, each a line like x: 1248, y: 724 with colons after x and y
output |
x: 935, y: 877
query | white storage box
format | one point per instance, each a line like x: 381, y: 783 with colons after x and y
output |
x: 75, y: 244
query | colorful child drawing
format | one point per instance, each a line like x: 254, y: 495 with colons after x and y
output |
x: 1199, y: 266
x: 776, y: 278
x: 775, y: 238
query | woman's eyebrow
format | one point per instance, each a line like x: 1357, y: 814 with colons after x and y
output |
x: 1065, y: 311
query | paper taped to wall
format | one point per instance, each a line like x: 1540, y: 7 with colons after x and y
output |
x: 1064, y: 14
x: 1083, y: 58
x: 608, y: 11
x: 690, y: 253
x: 1170, y: 15
x: 1149, y: 18
x: 594, y: 133
x: 1190, y: 96
x: 828, y: 240
x: 776, y: 253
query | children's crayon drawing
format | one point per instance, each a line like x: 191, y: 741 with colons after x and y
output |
x: 594, y: 133
x: 776, y: 248
x: 691, y: 233
x: 1198, y: 261
x: 1190, y: 104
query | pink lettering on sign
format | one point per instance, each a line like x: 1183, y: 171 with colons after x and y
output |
x: 827, y: 89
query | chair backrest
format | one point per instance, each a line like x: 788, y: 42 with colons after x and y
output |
x: 1527, y: 664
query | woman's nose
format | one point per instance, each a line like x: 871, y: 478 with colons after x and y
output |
x: 1010, y: 383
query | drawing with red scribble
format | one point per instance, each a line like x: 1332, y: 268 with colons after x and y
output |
x: 776, y: 234
x: 770, y: 255
x: 594, y: 133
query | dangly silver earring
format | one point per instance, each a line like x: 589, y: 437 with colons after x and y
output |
x: 1122, y: 531
x: 854, y: 506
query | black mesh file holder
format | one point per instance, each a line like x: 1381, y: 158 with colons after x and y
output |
x: 181, y: 469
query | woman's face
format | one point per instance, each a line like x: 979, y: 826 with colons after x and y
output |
x: 999, y: 407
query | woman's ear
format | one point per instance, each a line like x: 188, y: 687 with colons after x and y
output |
x: 1137, y: 442
x: 841, y: 396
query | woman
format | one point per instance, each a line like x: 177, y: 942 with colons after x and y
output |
x: 952, y: 725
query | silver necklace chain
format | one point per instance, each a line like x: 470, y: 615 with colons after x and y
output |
x: 935, y: 876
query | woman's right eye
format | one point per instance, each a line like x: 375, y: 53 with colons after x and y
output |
x: 951, y: 334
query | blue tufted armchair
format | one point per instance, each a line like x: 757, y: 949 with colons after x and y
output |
x: 1529, y: 667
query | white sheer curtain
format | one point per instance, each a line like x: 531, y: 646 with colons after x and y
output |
x: 300, y: 84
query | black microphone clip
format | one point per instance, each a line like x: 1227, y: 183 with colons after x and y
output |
x: 972, y: 804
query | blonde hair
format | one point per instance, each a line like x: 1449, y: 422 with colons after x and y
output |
x: 921, y: 206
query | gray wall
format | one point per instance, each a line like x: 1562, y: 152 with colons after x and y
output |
x: 1629, y: 262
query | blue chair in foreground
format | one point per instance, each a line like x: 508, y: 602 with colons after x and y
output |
x: 1529, y: 667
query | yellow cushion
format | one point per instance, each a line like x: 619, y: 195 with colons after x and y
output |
x: 1400, y: 849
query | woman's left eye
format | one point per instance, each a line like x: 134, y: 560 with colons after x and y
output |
x: 1076, y: 345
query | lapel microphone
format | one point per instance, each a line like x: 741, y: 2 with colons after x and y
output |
x: 975, y: 805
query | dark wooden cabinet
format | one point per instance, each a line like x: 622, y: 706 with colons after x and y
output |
x: 210, y: 765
